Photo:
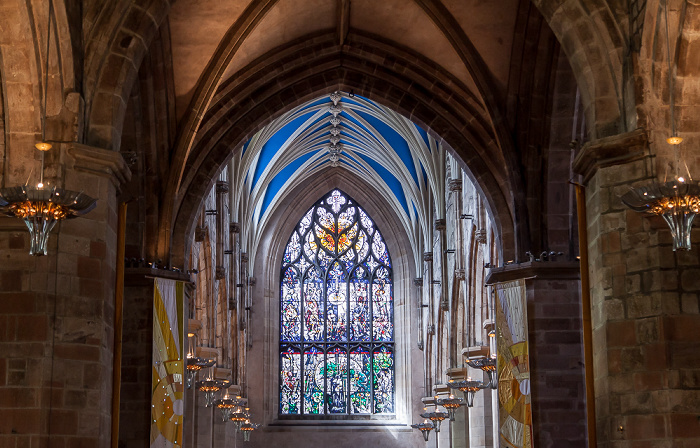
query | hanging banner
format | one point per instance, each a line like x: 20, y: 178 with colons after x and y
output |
x: 515, y: 412
x: 168, y: 363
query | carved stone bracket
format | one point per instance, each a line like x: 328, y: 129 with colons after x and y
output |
x: 614, y: 150
x: 234, y: 227
x: 220, y: 273
x: 244, y: 257
x: 558, y: 270
x: 98, y: 161
x: 252, y: 281
x: 440, y: 224
x: 222, y: 187
x: 428, y: 256
x: 455, y: 185
x: 418, y: 282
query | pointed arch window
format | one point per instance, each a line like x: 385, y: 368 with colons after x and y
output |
x: 336, y: 314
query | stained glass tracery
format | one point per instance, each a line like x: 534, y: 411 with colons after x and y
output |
x: 336, y: 314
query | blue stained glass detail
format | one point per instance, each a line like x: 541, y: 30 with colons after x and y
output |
x: 314, y: 376
x: 383, y: 373
x: 382, y: 307
x: 336, y: 314
x: 337, y: 375
x: 360, y: 381
x: 313, y: 306
x: 291, y: 306
x: 293, y: 249
x: 337, y: 305
x: 290, y: 384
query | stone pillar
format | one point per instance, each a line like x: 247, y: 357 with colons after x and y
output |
x: 555, y: 345
x: 644, y: 300
x: 57, y: 313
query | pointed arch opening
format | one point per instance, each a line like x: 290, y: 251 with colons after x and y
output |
x: 336, y: 314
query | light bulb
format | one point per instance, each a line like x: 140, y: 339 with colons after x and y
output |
x: 40, y: 185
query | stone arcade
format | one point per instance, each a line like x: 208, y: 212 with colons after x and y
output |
x: 207, y: 129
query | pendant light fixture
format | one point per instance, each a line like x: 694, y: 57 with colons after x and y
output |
x: 39, y: 205
x: 677, y: 201
x: 424, y: 428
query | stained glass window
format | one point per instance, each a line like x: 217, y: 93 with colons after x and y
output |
x: 336, y: 314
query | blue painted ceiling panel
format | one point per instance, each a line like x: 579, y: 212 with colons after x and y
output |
x: 279, y: 180
x: 389, y: 179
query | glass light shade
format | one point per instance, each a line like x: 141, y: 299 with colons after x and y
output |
x: 488, y: 365
x: 42, y: 208
x: 677, y: 202
x: 194, y: 365
x: 436, y: 417
x: 424, y: 428
x: 451, y: 404
x: 469, y: 388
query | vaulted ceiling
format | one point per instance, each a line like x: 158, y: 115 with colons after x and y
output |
x: 251, y: 80
x: 199, y: 27
x: 386, y: 150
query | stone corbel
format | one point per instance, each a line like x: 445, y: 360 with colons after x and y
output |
x: 98, y: 161
x: 553, y: 270
x: 608, y: 151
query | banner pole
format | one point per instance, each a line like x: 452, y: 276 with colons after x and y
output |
x: 118, y: 321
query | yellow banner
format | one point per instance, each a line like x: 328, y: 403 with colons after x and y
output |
x: 168, y: 363
x: 515, y: 412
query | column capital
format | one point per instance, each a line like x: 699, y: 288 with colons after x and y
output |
x: 455, y: 185
x: 440, y: 224
x: 608, y: 151
x: 222, y: 187
x: 98, y: 161
x: 549, y: 270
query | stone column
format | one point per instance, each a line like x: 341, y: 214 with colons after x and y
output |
x: 57, y: 313
x: 644, y: 300
x: 555, y: 347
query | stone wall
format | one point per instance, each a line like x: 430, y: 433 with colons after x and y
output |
x: 645, y: 318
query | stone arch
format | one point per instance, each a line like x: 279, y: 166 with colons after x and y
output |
x: 590, y: 34
x: 654, y: 108
x: 419, y: 95
x: 22, y: 59
x: 120, y: 38
x: 266, y: 292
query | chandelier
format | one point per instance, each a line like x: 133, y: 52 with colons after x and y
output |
x: 239, y: 415
x: 247, y: 427
x: 451, y: 403
x: 194, y: 365
x: 424, y: 428
x: 226, y: 405
x: 436, y: 417
x: 210, y: 387
x: 41, y: 206
x: 676, y: 201
x: 488, y: 365
x: 469, y: 387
